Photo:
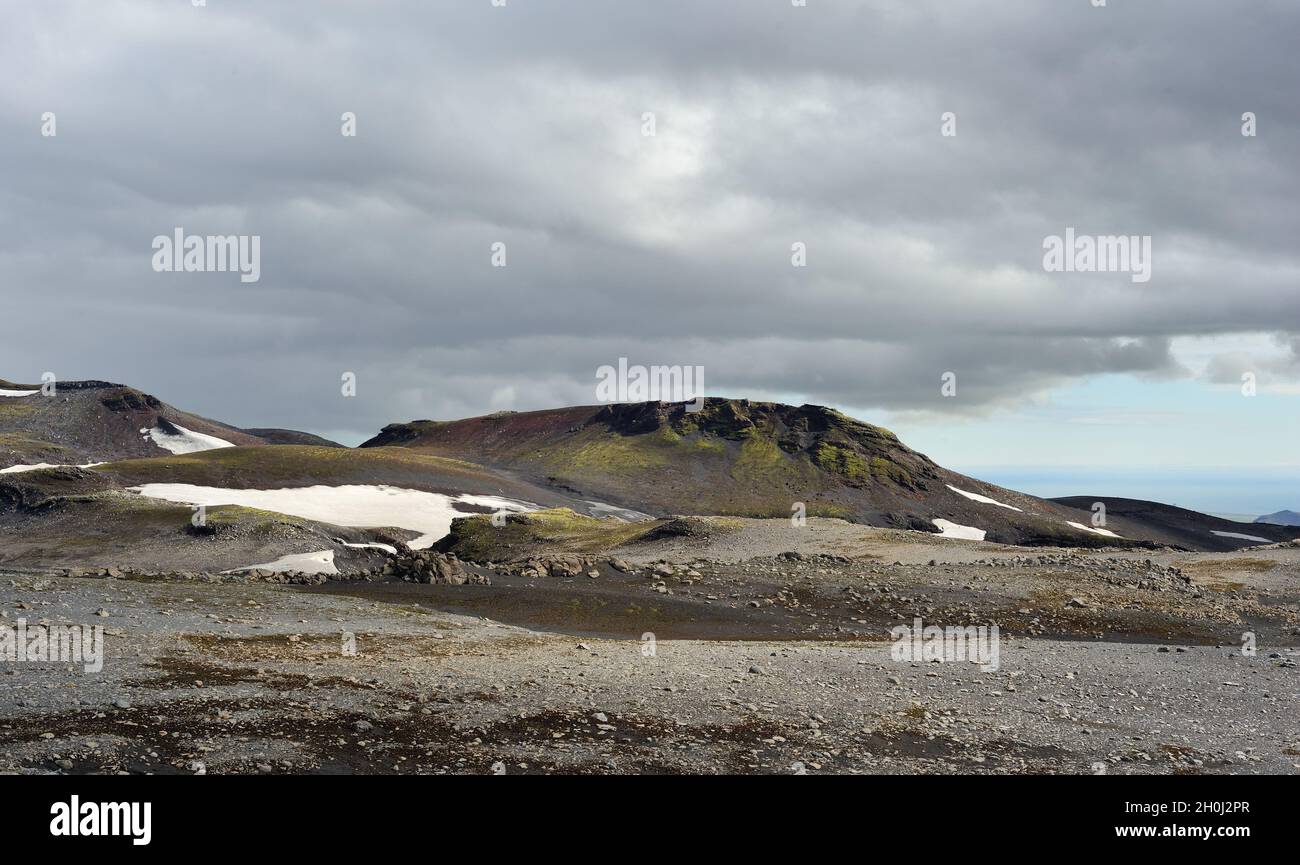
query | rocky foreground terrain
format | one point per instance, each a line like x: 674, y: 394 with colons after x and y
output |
x: 713, y: 646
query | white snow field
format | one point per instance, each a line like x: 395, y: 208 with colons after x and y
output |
x: 1107, y: 532
x: 388, y: 548
x: 955, y: 530
x: 356, y: 506
x: 188, y: 442
x: 4, y: 392
x: 1243, y: 537
x: 976, y: 497
x: 309, y: 563
x: 39, y: 466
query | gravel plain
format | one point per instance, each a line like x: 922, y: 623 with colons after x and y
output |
x: 785, y: 667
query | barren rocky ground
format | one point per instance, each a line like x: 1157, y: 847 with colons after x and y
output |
x: 749, y: 651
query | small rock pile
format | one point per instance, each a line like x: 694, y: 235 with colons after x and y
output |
x: 562, y: 566
x: 1126, y: 572
x: 1145, y: 574
x: 427, y: 566
x: 252, y: 575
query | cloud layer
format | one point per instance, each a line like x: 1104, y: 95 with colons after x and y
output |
x: 523, y: 124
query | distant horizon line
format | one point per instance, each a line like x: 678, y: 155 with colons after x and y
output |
x: 1126, y: 467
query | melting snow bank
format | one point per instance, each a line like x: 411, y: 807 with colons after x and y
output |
x: 1081, y: 527
x: 308, y: 563
x: 953, y: 530
x: 183, y: 441
x: 1243, y: 537
x: 388, y: 548
x: 4, y: 392
x: 39, y: 466
x: 627, y: 515
x: 976, y: 497
x: 356, y: 506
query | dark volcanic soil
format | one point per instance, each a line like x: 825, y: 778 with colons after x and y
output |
x: 1060, y: 596
x: 734, y: 663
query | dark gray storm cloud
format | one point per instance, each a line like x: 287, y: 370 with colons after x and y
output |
x: 523, y: 124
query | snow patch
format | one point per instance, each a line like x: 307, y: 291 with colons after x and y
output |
x: 185, y: 441
x: 38, y: 466
x: 627, y: 515
x: 1242, y: 537
x: 356, y: 506
x: 954, y: 530
x: 494, y: 502
x: 5, y: 392
x: 1081, y: 527
x: 976, y: 497
x: 309, y: 563
x: 388, y: 548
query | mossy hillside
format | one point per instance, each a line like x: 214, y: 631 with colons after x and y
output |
x: 829, y: 509
x: 555, y: 530
x: 761, y: 464
x: 732, y: 457
x: 221, y: 518
x: 862, y: 429
x: 9, y: 439
x: 122, y: 507
x: 754, y: 476
x: 125, y: 529
x: 883, y: 469
x: 789, y: 425
x: 105, y: 524
x: 14, y: 407
x: 723, y: 418
x: 857, y: 467
x: 612, y: 454
x: 846, y: 463
x: 28, y: 450
x: 284, y: 465
x: 32, y: 490
x: 129, y: 514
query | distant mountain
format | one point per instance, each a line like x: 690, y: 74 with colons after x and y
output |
x: 291, y: 437
x: 1281, y: 518
x: 742, y: 458
x: 98, y: 421
x: 1180, y: 527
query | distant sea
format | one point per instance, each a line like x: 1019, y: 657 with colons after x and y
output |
x: 1238, y: 493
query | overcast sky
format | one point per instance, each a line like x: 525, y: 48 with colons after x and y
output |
x: 774, y: 124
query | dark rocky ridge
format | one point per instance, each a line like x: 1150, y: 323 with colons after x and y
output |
x: 745, y: 458
x: 1181, y: 527
x: 273, y: 436
x: 99, y: 421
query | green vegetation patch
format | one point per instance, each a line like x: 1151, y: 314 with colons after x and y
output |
x: 842, y: 461
x: 856, y: 467
x: 610, y: 453
x: 556, y: 530
x: 237, y: 515
x: 12, y: 408
x: 882, y: 469
x: 277, y: 465
x: 766, y: 471
x: 37, y: 450
x: 722, y: 418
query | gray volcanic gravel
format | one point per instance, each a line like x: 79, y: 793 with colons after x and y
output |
x: 256, y: 678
